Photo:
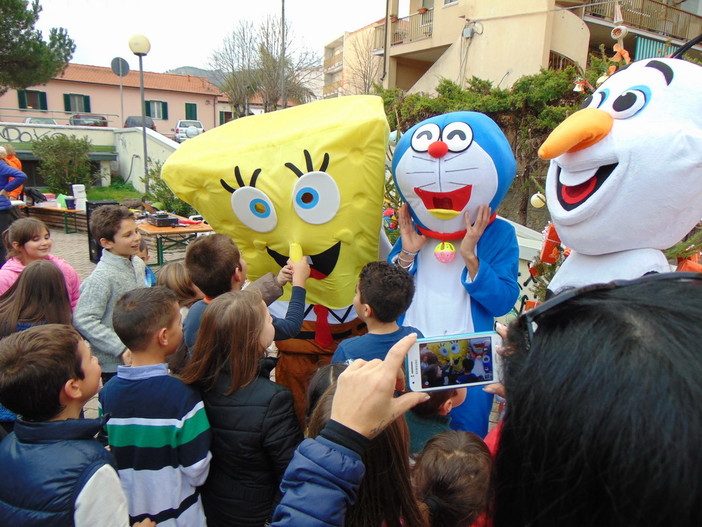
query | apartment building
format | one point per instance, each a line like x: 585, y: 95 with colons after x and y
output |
x: 352, y: 64
x: 503, y: 40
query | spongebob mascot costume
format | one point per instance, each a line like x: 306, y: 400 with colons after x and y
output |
x: 625, y: 179
x: 309, y: 181
x: 453, y: 171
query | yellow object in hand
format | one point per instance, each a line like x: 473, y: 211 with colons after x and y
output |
x: 295, y: 252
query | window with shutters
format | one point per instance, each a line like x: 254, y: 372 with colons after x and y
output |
x: 225, y: 117
x: 191, y: 111
x: 32, y: 100
x: 156, y: 109
x: 74, y: 102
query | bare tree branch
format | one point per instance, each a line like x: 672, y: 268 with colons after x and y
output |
x: 249, y: 63
x: 362, y: 66
x: 235, y: 64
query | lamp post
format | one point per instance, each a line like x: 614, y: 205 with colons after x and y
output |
x: 140, y: 46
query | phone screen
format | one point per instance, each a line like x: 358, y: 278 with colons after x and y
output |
x: 463, y: 360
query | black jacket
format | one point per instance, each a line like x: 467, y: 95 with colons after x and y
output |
x: 254, y: 435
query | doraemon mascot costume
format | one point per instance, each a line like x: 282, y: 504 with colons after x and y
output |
x: 625, y: 180
x: 449, y: 169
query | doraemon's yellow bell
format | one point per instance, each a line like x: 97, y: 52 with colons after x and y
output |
x: 306, y: 181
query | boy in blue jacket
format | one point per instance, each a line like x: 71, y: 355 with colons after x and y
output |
x: 56, y: 472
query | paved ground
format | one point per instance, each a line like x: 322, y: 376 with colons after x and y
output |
x: 74, y: 249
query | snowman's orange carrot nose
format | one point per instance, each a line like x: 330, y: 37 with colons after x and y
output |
x: 582, y: 129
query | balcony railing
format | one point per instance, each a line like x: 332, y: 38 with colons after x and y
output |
x: 556, y: 61
x: 652, y: 16
x: 408, y: 29
x: 331, y: 90
x: 333, y: 61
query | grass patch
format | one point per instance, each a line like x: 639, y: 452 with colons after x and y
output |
x: 118, y: 190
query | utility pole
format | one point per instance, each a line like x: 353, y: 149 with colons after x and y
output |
x: 284, y: 103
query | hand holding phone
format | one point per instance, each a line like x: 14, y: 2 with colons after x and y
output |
x: 454, y: 361
x: 364, y: 399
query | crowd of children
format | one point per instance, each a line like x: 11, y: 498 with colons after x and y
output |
x: 206, y: 447
x: 220, y: 444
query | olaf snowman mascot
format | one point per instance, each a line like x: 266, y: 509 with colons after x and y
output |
x: 625, y: 179
x: 453, y: 171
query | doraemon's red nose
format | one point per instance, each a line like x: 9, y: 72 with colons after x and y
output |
x: 438, y: 149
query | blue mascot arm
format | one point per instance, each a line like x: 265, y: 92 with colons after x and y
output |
x: 495, y: 287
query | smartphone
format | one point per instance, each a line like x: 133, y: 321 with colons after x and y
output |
x: 453, y: 361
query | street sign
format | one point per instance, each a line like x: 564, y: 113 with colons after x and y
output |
x: 119, y: 66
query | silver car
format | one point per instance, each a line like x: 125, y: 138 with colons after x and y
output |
x: 39, y: 120
x: 181, y: 130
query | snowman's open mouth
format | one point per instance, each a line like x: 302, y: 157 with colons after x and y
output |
x: 571, y: 197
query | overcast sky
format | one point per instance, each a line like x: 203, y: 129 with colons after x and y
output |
x: 186, y: 32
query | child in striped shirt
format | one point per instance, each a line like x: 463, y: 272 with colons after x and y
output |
x: 158, y: 430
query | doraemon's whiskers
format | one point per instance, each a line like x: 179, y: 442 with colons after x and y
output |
x: 461, y: 169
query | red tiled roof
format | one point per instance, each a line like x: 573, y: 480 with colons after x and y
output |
x: 255, y: 99
x: 155, y: 81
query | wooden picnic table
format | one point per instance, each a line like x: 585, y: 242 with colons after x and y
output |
x: 172, y: 237
x: 70, y: 216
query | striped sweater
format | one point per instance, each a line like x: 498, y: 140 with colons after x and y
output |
x: 160, y: 437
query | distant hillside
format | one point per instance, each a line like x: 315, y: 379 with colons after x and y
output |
x: 199, y: 72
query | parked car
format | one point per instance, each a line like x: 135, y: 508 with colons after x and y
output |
x: 39, y: 120
x: 182, y: 126
x: 87, y: 119
x: 134, y: 121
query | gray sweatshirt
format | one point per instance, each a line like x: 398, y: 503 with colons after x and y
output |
x: 113, y: 276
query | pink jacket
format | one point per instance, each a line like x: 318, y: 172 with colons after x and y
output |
x: 13, y: 267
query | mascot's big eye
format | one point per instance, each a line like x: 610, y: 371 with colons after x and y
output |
x: 595, y: 100
x: 424, y: 136
x: 444, y: 350
x: 458, y: 136
x: 486, y: 358
x: 254, y: 209
x: 316, y: 197
x: 628, y: 103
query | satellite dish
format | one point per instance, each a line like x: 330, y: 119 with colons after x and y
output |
x: 119, y: 66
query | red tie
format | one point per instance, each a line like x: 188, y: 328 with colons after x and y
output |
x: 322, y: 334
